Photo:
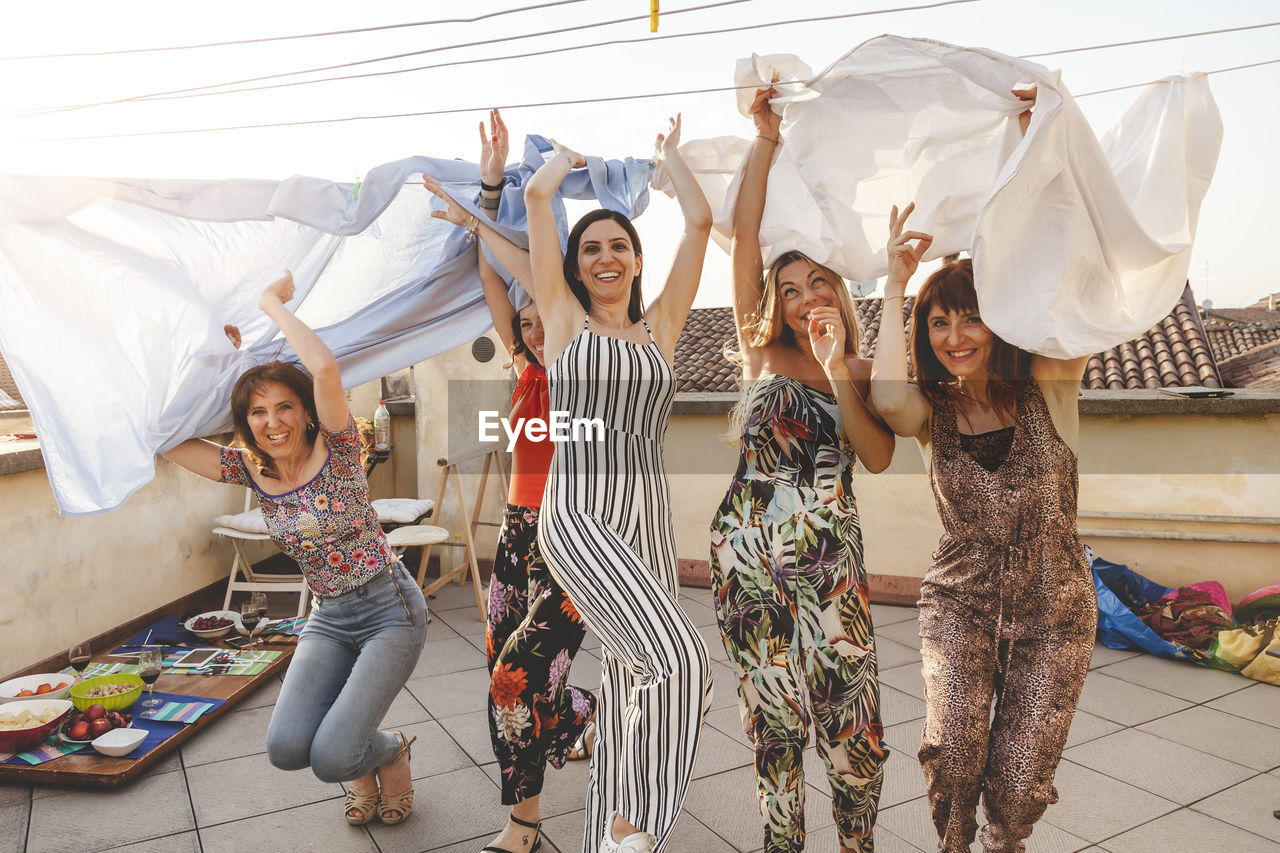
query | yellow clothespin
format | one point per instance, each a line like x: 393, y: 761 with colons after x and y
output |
x: 653, y: 16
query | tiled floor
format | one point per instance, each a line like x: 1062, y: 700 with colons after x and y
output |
x: 1163, y: 757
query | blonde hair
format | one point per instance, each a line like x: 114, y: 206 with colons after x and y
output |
x: 764, y: 326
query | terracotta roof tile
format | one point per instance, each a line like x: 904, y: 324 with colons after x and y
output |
x: 1176, y: 352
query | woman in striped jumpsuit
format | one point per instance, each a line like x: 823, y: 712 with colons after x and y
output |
x: 606, y: 529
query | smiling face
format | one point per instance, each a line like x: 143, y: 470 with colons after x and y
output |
x: 278, y: 421
x: 607, y: 261
x: 801, y: 288
x: 961, y: 342
x: 531, y: 330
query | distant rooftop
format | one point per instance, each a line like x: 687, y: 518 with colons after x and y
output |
x: 1175, y: 353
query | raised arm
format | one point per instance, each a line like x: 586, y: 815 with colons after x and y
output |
x: 900, y: 403
x: 493, y: 161
x: 744, y: 253
x: 561, y: 313
x: 671, y: 307
x: 326, y: 376
x: 871, y: 440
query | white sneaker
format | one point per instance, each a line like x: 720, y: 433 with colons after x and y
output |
x: 636, y: 842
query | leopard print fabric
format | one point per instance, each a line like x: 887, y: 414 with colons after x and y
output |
x: 1007, y: 613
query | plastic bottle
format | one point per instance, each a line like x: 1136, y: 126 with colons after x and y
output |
x: 382, y: 427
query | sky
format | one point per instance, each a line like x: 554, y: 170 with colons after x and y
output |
x: 1230, y: 263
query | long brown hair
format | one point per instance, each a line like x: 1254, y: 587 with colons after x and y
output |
x: 291, y: 375
x: 518, y: 348
x: 950, y: 288
x: 635, y: 305
x: 765, y: 326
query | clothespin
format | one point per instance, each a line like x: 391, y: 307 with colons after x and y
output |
x: 653, y: 16
x: 355, y: 189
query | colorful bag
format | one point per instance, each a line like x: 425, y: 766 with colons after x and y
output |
x: 1235, y: 649
x: 1266, y: 667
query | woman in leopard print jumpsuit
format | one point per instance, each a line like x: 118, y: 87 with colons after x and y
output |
x: 1007, y: 611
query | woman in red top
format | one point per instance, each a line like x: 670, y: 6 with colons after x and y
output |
x: 535, y: 717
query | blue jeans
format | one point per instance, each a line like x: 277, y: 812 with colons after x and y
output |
x: 354, y: 656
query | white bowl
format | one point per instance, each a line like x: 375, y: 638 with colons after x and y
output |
x: 119, y: 742
x: 216, y: 632
x: 10, y: 689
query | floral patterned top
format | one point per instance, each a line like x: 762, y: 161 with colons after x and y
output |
x: 326, y: 525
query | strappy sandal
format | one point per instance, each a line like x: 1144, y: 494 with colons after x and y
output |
x: 537, y: 837
x: 360, y: 808
x: 582, y: 748
x: 400, y: 806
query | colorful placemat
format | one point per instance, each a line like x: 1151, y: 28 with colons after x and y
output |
x: 243, y: 662
x: 180, y: 712
x: 158, y: 731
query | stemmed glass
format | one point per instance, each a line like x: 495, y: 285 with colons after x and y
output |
x: 259, y: 601
x: 79, y: 657
x: 248, y: 619
x: 149, y: 667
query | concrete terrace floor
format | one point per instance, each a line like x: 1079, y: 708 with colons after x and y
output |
x: 1163, y: 757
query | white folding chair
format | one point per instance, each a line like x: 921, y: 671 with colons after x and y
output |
x: 250, y: 526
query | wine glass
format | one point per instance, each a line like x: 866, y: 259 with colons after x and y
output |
x: 79, y: 657
x: 149, y: 667
x: 259, y: 600
x: 248, y: 619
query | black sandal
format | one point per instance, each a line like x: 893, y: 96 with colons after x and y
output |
x: 537, y: 839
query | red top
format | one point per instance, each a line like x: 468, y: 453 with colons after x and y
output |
x: 530, y: 460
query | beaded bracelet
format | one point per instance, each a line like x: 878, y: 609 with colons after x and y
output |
x: 488, y: 203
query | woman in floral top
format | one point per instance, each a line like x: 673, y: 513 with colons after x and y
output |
x: 786, y: 546
x: 301, y: 454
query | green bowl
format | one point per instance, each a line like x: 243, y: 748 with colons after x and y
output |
x: 117, y: 702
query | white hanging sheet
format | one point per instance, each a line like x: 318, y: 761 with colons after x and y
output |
x: 114, y: 293
x: 1077, y: 245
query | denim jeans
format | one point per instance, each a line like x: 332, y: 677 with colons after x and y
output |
x: 355, y: 654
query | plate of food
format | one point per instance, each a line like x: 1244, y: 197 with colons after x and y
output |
x: 25, y: 724
x: 42, y: 685
x: 213, y: 624
x: 92, y: 723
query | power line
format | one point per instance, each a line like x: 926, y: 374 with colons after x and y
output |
x: 510, y: 107
x: 1149, y: 82
x: 197, y: 92
x: 294, y: 37
x: 610, y: 43
x: 1150, y: 40
x: 557, y: 31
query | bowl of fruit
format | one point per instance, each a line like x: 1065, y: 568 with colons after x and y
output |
x: 25, y: 724
x: 212, y: 625
x: 92, y: 723
x: 112, y: 692
x: 43, y: 685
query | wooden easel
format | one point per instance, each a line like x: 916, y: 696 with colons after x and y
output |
x: 471, y: 520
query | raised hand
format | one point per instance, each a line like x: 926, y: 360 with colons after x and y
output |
x: 668, y: 144
x: 826, y: 338
x: 280, y: 290
x: 576, y: 160
x: 768, y: 123
x: 453, y: 212
x: 903, y: 257
x: 494, y: 147
x: 1025, y: 92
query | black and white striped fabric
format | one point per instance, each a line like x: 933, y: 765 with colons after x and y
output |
x: 607, y: 536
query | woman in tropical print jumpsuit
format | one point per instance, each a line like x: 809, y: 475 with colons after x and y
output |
x: 786, y: 547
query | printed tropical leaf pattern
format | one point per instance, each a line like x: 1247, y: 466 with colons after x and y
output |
x: 791, y: 601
